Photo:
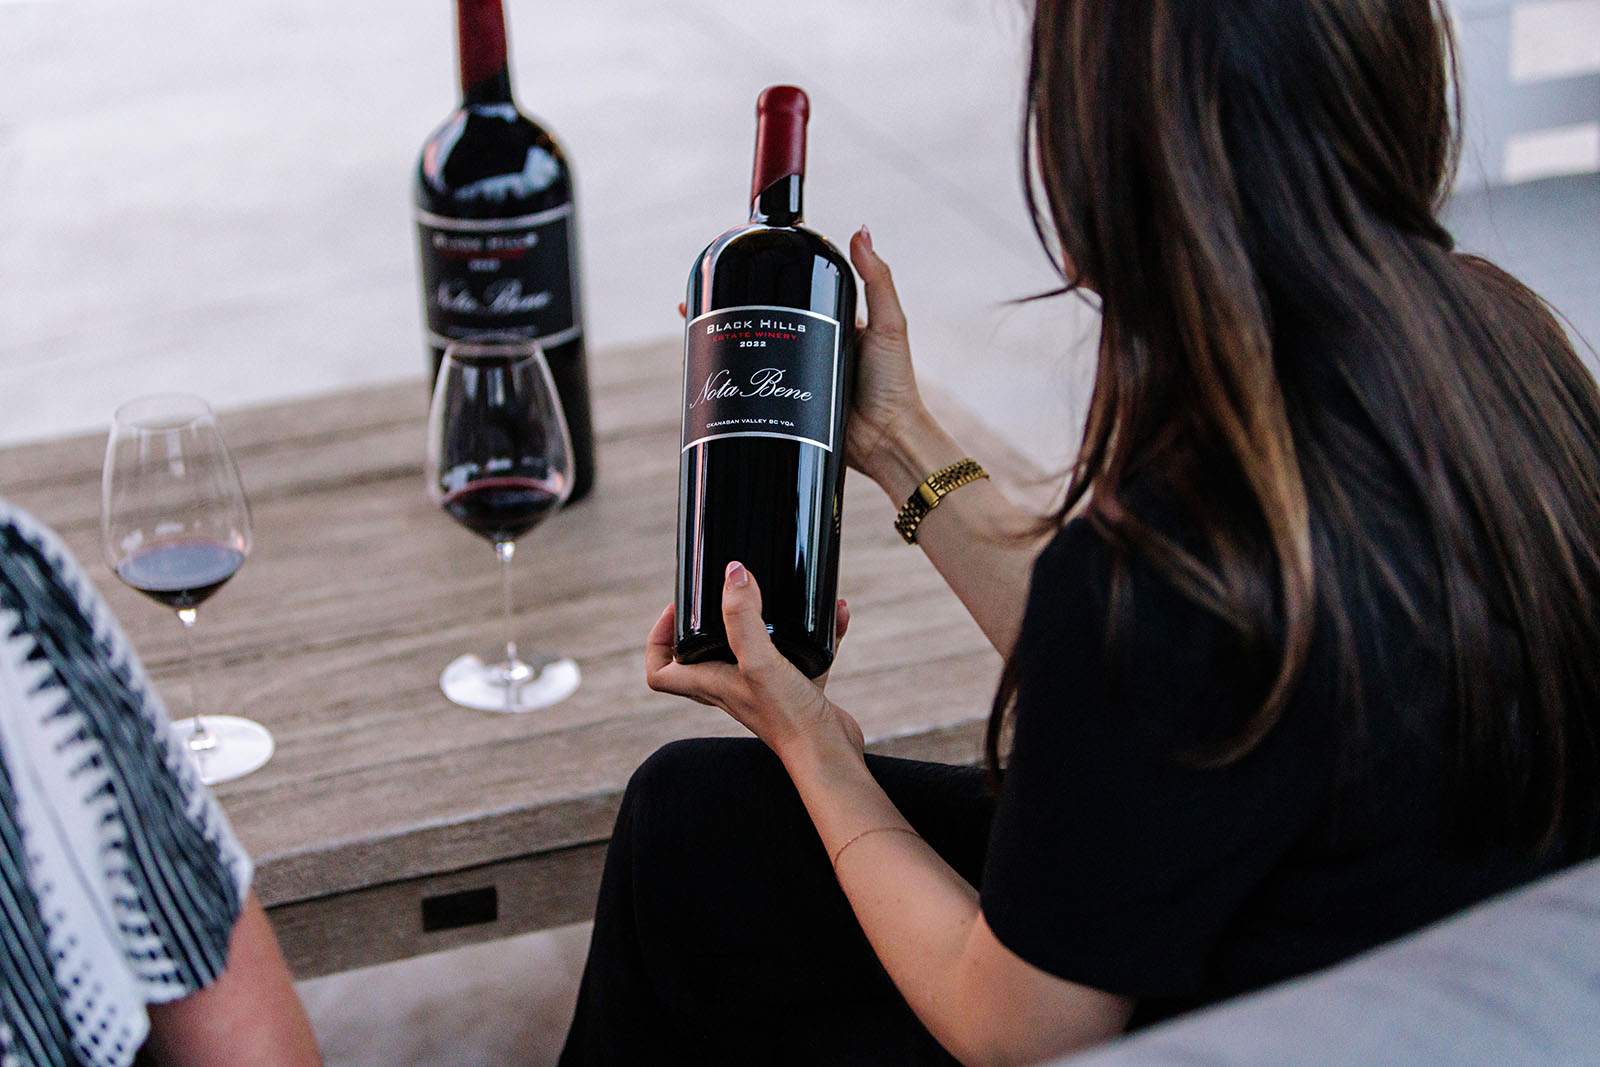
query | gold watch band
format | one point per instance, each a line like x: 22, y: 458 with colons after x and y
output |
x: 933, y: 489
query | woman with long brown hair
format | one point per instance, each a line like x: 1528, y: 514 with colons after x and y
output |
x: 1304, y: 662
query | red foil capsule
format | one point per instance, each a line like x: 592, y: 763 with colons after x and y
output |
x: 781, y: 114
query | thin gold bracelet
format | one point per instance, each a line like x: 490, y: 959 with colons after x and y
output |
x: 865, y: 833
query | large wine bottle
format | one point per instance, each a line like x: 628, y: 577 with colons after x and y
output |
x: 769, y: 355
x: 496, y: 228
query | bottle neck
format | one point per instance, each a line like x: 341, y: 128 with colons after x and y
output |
x: 780, y: 203
x: 777, y: 180
x: 481, y: 34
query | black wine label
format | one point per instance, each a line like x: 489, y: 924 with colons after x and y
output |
x: 760, y: 372
x: 505, y: 278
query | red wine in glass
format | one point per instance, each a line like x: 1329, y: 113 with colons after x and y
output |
x: 182, y: 574
x: 500, y: 462
x: 503, y: 509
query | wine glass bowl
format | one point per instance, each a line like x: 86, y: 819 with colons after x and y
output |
x: 500, y: 462
x: 175, y: 525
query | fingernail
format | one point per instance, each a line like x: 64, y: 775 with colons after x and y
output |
x: 866, y: 236
x: 842, y: 604
x: 737, y: 575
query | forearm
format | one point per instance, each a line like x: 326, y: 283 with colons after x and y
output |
x: 917, y: 920
x: 923, y: 920
x: 977, y: 997
x: 980, y: 541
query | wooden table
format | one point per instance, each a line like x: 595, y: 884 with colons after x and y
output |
x: 390, y: 822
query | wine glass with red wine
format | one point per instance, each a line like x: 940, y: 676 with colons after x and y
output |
x: 500, y: 462
x: 174, y: 524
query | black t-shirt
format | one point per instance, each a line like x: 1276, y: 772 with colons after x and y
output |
x: 1117, y: 864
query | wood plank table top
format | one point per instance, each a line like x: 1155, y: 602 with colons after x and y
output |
x: 390, y: 822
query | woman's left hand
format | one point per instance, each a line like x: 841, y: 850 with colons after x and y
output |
x: 763, y: 690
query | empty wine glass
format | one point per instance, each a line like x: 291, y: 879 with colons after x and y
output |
x: 174, y: 524
x: 499, y: 463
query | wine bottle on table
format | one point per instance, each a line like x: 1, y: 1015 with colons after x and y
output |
x: 769, y: 356
x: 496, y: 228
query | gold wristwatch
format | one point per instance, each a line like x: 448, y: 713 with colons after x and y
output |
x: 927, y: 495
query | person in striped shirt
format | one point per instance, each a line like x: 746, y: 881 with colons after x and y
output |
x: 128, y: 926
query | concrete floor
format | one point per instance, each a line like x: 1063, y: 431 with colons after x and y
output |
x: 214, y: 198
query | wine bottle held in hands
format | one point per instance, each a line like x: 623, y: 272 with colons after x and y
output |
x: 497, y: 229
x: 769, y: 356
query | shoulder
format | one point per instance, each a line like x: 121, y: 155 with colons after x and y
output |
x: 28, y: 544
x: 1093, y: 569
x: 1078, y: 559
x: 49, y: 609
x: 54, y: 611
x: 1113, y: 632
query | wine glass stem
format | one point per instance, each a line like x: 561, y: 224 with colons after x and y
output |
x: 200, y: 739
x: 504, y: 550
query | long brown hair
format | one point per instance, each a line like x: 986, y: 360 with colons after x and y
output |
x: 1251, y: 189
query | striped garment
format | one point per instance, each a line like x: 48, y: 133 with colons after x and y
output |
x: 120, y: 880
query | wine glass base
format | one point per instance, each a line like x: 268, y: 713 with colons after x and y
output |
x: 470, y: 682
x: 241, y: 746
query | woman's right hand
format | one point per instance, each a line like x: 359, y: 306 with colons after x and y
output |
x: 886, y: 397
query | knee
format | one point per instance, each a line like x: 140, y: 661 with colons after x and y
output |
x: 703, y: 822
x: 690, y: 795
x: 701, y: 770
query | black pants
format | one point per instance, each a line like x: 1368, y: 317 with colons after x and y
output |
x: 720, y: 934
